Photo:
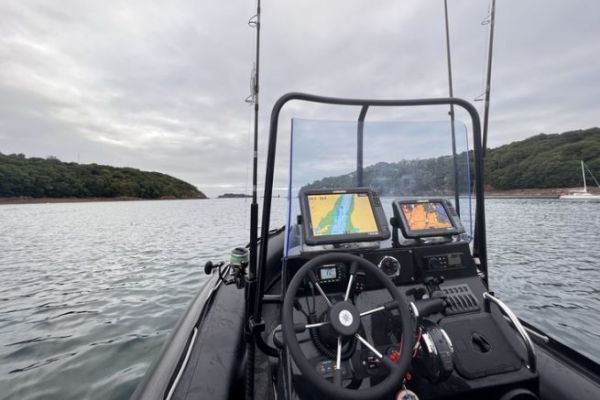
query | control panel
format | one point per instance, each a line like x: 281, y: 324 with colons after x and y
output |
x: 451, y: 260
x: 443, y: 261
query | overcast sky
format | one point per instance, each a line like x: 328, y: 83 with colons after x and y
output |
x: 160, y: 85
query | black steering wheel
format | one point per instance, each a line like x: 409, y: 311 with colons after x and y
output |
x: 344, y: 318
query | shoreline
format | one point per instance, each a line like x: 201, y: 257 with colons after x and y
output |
x: 46, y: 200
x: 551, y: 193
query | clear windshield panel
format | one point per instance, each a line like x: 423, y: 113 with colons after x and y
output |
x: 400, y: 160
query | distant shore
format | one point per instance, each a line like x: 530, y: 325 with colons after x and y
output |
x: 43, y: 200
x: 234, y: 196
x: 524, y: 193
x: 551, y: 193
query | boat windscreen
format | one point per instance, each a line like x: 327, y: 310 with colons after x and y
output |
x: 400, y: 160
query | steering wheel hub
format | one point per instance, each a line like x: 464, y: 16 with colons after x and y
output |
x: 344, y: 318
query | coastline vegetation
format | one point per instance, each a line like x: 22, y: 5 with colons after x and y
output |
x: 540, y: 162
x: 234, y: 196
x: 544, y: 161
x: 49, y: 177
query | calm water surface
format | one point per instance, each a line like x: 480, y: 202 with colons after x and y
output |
x: 89, y: 291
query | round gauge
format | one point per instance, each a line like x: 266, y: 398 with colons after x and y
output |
x: 390, y: 266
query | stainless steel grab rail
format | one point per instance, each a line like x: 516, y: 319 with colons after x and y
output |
x: 532, y: 363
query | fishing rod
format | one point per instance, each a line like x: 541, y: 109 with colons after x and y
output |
x: 451, y: 92
x: 488, y: 79
x: 254, y: 22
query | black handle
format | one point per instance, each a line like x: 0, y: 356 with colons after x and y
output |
x: 430, y: 306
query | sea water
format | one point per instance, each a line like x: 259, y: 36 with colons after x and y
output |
x: 90, y: 291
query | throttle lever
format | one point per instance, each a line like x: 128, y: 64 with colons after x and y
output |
x: 430, y: 306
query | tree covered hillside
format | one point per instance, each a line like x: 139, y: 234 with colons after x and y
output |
x: 432, y: 176
x: 38, y: 177
x: 542, y: 161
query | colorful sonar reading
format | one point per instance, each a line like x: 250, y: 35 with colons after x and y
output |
x: 341, y: 214
x: 426, y: 216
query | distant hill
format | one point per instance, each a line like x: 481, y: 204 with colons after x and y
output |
x: 544, y: 161
x: 38, y: 177
x: 234, y: 196
x: 541, y: 161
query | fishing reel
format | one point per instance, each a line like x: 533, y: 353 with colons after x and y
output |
x: 235, y: 271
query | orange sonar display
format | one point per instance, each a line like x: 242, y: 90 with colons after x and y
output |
x: 426, y: 216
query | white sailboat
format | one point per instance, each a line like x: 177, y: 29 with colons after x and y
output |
x: 583, y: 194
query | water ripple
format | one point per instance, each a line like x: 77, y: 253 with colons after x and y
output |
x: 91, y: 290
x: 544, y: 262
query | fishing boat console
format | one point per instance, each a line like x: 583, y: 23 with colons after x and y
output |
x: 358, y: 320
x: 375, y: 287
x: 373, y: 307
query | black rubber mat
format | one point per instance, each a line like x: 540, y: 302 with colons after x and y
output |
x: 480, y: 348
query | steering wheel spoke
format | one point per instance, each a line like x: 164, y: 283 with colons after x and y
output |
x: 353, y: 269
x: 386, y: 306
x: 349, y: 288
x: 337, y: 371
x: 338, y: 359
x: 316, y: 325
x: 385, y: 360
x: 315, y: 282
x: 372, y: 311
x: 369, y: 346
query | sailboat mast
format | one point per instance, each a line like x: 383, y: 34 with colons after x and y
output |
x: 488, y: 79
x: 583, y: 176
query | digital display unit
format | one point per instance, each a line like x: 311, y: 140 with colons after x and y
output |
x: 333, y: 216
x: 426, y: 218
x: 329, y: 273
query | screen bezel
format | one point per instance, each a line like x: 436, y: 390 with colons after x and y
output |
x: 455, y: 229
x: 382, y: 233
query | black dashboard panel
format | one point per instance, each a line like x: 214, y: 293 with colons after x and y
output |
x: 445, y: 261
x: 452, y: 260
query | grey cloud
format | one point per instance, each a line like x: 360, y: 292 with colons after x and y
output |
x: 160, y: 85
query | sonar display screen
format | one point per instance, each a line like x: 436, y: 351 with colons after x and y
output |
x: 333, y: 214
x: 424, y: 216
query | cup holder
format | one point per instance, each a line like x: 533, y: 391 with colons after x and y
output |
x: 519, y: 394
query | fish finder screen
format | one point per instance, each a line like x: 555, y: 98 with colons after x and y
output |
x: 341, y: 214
x: 424, y: 216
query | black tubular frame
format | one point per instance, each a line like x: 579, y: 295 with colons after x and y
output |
x: 479, y: 243
x: 360, y: 129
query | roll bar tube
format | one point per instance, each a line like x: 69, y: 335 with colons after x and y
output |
x: 479, y: 245
x: 532, y: 361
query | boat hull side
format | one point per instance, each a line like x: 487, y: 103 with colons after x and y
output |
x: 158, y: 379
